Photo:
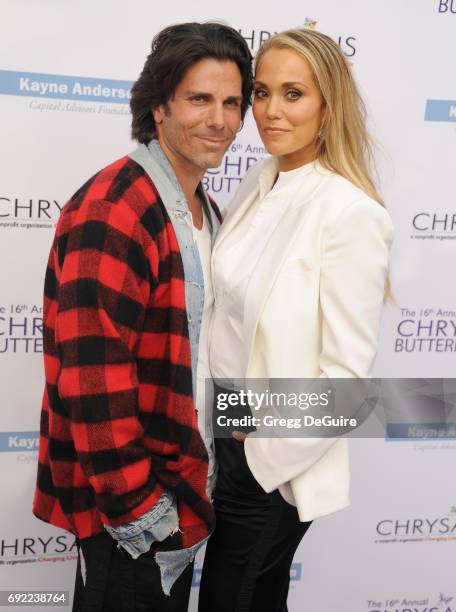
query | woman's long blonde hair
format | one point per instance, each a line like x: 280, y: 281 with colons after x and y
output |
x: 344, y: 145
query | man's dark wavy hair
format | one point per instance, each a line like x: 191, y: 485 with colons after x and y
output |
x: 174, y: 50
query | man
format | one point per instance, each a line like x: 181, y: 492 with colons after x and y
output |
x: 122, y: 463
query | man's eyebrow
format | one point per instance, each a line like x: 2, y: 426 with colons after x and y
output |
x: 194, y: 92
x: 233, y: 99
x: 206, y: 94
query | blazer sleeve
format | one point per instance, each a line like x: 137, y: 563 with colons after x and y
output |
x: 354, y: 269
x: 352, y: 288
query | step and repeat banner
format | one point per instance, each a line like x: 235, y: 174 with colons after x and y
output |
x: 65, y: 74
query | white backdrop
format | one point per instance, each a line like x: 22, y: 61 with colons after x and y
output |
x: 394, y: 548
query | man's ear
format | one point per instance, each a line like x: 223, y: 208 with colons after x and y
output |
x: 158, y: 113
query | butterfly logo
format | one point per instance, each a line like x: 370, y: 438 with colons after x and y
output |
x: 310, y: 24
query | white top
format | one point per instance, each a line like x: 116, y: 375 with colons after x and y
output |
x: 203, y: 240
x: 233, y: 266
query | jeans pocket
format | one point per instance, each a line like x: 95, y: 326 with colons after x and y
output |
x: 155, y: 526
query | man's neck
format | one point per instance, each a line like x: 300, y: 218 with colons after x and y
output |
x: 188, y: 176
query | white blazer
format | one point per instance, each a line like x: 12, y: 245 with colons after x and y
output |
x: 312, y: 309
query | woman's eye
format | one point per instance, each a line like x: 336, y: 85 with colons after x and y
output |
x: 260, y: 93
x: 293, y: 94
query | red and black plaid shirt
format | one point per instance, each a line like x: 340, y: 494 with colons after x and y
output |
x: 118, y: 421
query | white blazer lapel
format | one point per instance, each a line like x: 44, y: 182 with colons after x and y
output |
x: 265, y: 272
x: 273, y: 256
x: 274, y: 253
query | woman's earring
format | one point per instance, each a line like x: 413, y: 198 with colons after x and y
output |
x: 321, y: 134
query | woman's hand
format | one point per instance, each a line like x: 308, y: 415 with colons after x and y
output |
x: 240, y: 436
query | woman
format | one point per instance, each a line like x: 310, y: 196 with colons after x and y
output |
x: 300, y: 271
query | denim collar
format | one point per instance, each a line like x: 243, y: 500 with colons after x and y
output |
x: 179, y: 203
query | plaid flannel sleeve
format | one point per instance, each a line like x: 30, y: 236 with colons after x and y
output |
x: 104, y: 282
